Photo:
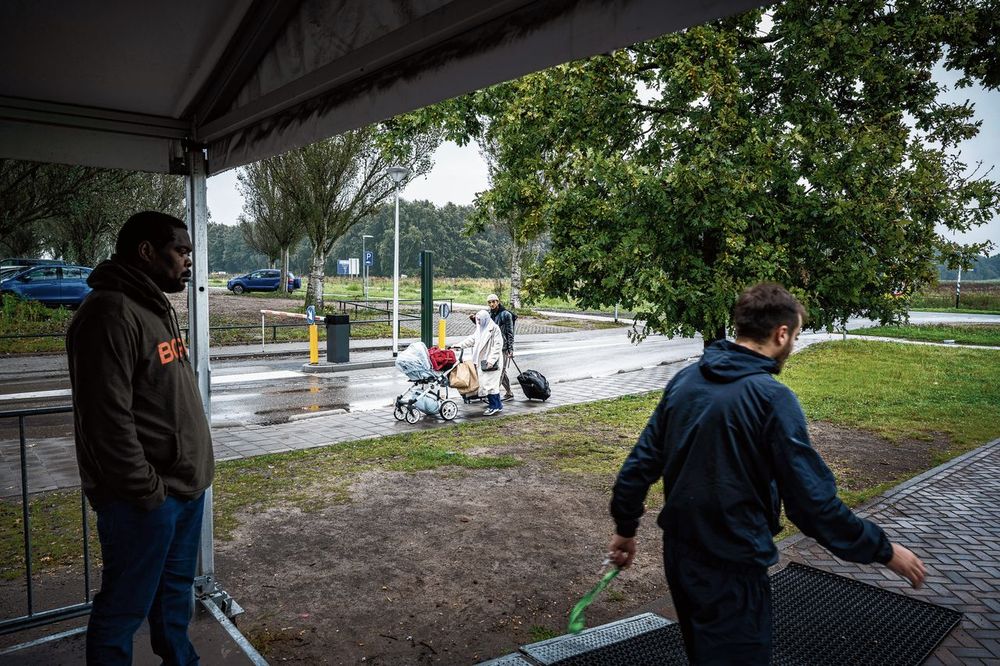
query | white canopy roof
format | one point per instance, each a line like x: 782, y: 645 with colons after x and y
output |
x: 119, y: 83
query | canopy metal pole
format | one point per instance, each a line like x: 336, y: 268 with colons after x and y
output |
x: 197, y: 220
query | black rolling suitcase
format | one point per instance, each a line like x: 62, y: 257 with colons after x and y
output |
x: 533, y: 383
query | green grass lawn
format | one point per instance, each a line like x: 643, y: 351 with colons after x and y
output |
x: 898, y: 391
x: 901, y: 391
x: 963, y: 334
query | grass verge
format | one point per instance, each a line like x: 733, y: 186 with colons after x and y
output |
x: 897, y: 391
x: 963, y: 334
x: 900, y: 391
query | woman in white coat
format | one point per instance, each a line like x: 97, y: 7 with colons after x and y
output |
x: 487, y: 349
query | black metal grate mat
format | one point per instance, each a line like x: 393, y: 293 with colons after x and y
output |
x: 823, y: 618
x: 819, y: 618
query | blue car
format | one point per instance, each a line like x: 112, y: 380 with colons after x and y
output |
x: 266, y: 279
x: 49, y: 284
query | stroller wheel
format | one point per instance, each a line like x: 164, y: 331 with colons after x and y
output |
x: 412, y: 415
x: 399, y: 413
x: 449, y: 410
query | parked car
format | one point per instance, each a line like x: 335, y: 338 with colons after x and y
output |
x: 51, y: 284
x: 21, y: 261
x: 266, y: 279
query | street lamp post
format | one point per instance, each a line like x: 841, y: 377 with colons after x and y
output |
x: 398, y: 175
x: 364, y: 264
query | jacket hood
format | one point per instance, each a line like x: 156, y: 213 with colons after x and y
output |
x: 726, y: 361
x: 113, y: 275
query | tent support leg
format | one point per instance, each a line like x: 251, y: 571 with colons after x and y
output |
x: 206, y: 585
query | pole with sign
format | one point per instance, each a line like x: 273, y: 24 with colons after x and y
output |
x: 313, y: 335
x: 443, y: 311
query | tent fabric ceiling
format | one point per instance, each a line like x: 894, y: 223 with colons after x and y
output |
x: 130, y: 85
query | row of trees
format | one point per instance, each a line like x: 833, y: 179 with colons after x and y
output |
x: 804, y: 143
x: 321, y: 191
x: 423, y: 226
x: 75, y: 212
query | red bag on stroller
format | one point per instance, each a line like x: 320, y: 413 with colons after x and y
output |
x: 441, y: 358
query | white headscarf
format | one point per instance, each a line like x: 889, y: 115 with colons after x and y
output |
x: 483, y: 324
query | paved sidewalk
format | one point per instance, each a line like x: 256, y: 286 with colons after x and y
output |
x: 52, y: 461
x: 950, y: 516
x: 252, y: 440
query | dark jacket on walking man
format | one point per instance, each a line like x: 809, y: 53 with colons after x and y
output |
x: 142, y: 441
x: 503, y: 318
x: 731, y: 444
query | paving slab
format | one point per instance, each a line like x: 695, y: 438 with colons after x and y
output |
x: 950, y: 517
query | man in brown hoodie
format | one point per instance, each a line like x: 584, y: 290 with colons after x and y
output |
x: 142, y: 441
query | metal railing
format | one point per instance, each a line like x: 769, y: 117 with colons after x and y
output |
x: 35, y: 618
x: 342, y: 305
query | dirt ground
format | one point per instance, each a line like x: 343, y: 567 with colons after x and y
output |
x: 448, y: 566
x: 455, y: 567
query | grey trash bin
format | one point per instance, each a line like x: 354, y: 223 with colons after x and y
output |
x: 338, y: 338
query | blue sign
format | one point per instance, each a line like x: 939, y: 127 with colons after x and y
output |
x: 343, y: 267
x: 311, y: 314
x: 369, y: 258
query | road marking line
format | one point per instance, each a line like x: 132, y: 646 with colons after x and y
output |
x: 35, y: 395
x: 216, y: 381
x: 257, y: 377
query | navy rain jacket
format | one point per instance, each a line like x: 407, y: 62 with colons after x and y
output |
x: 731, y: 444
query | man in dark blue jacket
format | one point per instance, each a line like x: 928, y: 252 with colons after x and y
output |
x: 731, y: 444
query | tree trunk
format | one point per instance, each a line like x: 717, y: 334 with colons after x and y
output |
x: 711, y: 245
x: 718, y: 334
x: 284, y: 270
x: 516, y: 253
x: 314, y: 293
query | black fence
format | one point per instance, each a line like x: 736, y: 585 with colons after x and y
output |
x: 383, y: 307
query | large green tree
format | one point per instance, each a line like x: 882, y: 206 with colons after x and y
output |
x: 332, y: 185
x: 85, y: 231
x: 805, y: 144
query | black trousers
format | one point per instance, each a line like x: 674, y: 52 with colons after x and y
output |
x: 724, y: 610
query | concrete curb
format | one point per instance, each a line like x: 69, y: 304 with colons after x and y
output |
x: 324, y: 367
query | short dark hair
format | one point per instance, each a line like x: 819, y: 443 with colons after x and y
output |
x: 148, y: 225
x: 763, y: 308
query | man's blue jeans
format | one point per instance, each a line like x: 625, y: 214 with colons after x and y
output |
x: 149, y: 566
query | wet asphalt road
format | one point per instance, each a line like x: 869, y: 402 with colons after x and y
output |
x: 274, y: 390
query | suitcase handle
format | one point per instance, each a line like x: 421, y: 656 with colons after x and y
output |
x: 515, y: 365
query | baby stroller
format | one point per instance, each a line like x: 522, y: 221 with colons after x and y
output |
x: 429, y: 391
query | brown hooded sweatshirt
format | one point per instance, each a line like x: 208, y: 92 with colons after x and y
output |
x: 141, y: 431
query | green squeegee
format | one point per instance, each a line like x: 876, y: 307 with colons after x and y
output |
x: 576, y: 620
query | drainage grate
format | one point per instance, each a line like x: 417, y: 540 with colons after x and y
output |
x: 642, y: 639
x: 823, y: 618
x: 819, y: 618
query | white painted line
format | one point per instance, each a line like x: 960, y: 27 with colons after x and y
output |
x: 216, y: 381
x: 233, y: 397
x: 560, y: 350
x: 256, y: 377
x: 35, y: 395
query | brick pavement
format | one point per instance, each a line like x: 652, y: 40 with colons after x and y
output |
x: 949, y: 516
x: 251, y: 440
x: 52, y: 461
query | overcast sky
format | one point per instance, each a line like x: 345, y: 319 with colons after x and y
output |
x: 459, y: 172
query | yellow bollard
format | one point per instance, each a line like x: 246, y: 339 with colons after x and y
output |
x: 440, y: 333
x: 313, y: 344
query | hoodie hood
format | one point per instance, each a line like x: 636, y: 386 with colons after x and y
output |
x: 113, y: 275
x: 726, y: 361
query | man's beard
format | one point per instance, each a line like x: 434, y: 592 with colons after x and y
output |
x: 783, y: 355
